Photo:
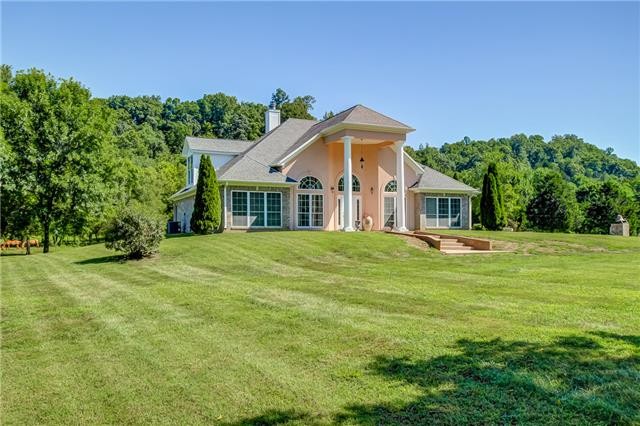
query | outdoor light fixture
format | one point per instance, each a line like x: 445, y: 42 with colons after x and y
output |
x: 372, y: 190
x: 361, y: 157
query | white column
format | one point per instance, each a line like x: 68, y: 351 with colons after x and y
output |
x: 400, y: 223
x: 347, y: 219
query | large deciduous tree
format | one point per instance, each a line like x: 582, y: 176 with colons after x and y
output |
x: 57, y: 133
x: 206, y: 217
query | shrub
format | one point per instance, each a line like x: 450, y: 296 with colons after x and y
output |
x: 207, y: 214
x: 136, y: 233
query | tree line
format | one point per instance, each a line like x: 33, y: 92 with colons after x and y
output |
x: 563, y: 184
x: 70, y: 161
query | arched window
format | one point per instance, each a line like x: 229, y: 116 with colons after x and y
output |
x: 309, y: 182
x: 355, y: 185
x: 392, y: 186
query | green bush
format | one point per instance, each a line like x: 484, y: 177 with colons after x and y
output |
x: 135, y: 233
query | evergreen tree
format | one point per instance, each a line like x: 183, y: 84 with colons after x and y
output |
x: 206, y: 217
x: 491, y: 202
x: 554, y: 206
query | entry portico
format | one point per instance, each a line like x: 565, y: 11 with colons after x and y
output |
x: 329, y: 175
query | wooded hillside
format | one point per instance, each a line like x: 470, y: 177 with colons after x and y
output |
x: 70, y: 161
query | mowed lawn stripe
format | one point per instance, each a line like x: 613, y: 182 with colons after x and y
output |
x: 311, y: 327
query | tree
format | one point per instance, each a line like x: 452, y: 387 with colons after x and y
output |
x: 491, y: 204
x: 553, y: 206
x: 206, y: 217
x: 57, y: 134
x: 279, y: 98
x: 298, y: 108
x: 602, y: 201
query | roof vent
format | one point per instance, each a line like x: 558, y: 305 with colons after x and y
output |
x: 271, y: 119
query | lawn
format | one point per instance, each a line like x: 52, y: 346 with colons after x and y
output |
x: 317, y: 328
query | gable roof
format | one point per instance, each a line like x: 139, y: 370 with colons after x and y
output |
x: 433, y: 180
x: 356, y: 116
x: 231, y: 146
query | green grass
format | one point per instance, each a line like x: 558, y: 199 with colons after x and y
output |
x: 312, y: 327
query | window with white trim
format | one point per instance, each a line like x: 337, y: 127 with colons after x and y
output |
x: 253, y: 209
x: 355, y: 183
x: 391, y: 186
x: 310, y: 182
x: 190, y: 170
x: 389, y: 212
x: 442, y: 212
x: 389, y: 204
x: 310, y: 210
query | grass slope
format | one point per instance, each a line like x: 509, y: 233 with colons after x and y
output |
x: 311, y: 327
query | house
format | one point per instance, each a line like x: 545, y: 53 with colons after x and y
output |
x: 294, y: 178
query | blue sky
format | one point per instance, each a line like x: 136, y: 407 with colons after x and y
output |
x: 448, y: 69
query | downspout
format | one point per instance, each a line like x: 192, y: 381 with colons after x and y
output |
x: 225, y: 206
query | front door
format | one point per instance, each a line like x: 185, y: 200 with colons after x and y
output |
x: 356, y: 212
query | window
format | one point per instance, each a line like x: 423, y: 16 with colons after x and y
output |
x: 310, y: 210
x: 432, y: 217
x: 309, y: 182
x: 389, y: 212
x: 392, y: 186
x: 454, y: 212
x: 256, y: 209
x: 274, y: 209
x: 239, y: 208
x: 442, y: 212
x: 190, y: 170
x: 355, y: 185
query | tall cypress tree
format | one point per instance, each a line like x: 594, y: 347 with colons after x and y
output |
x: 206, y: 217
x: 491, y: 203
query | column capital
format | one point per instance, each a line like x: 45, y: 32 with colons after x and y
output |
x: 347, y: 139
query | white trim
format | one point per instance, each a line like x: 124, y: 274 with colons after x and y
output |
x: 249, y: 210
x: 417, y: 167
x: 257, y: 183
x: 445, y: 191
x: 438, y: 213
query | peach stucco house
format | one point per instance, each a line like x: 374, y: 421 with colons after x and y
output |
x: 294, y: 178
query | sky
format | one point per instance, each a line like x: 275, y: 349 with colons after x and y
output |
x: 450, y: 70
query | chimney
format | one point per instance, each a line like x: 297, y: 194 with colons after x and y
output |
x: 271, y: 118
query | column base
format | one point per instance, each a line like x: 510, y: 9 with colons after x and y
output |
x: 400, y: 229
x: 348, y: 229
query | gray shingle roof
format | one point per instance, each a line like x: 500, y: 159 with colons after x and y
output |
x: 230, y: 146
x: 434, y: 180
x: 255, y: 159
x: 254, y: 164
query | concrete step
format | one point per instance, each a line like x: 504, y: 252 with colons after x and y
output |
x: 447, y: 243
